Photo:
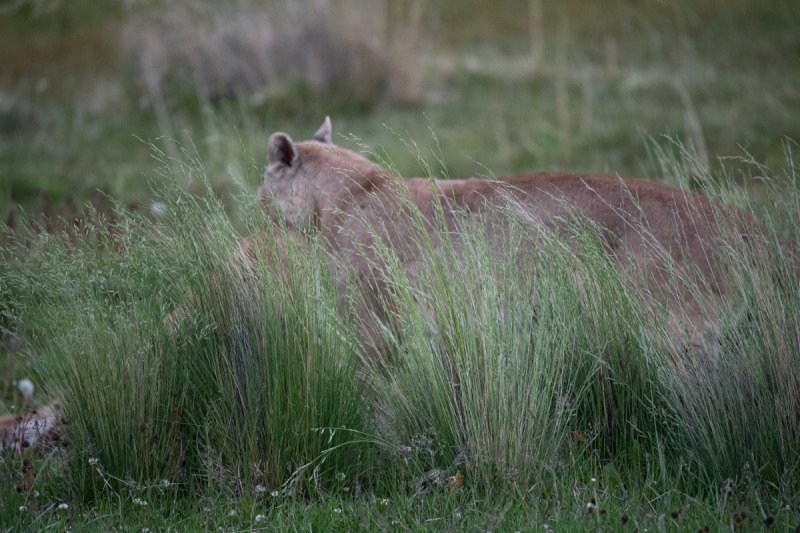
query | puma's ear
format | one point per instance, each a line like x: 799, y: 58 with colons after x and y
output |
x: 282, y: 149
x: 325, y: 132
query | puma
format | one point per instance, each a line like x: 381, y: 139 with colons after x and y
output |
x: 319, y: 187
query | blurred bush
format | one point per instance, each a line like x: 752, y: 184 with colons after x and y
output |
x: 35, y: 6
x: 364, y: 50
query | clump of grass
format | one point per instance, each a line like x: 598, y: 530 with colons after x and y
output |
x: 506, y: 364
x: 172, y: 363
x: 735, y: 399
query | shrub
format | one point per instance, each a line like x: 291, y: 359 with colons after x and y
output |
x: 354, y: 49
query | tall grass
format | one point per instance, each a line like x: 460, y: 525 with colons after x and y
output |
x: 507, y: 365
x: 179, y: 354
x: 735, y: 401
x: 177, y: 357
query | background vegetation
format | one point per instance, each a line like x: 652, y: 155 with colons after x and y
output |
x: 580, y: 412
x: 515, y: 86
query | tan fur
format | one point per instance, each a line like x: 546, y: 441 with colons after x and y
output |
x: 318, y: 186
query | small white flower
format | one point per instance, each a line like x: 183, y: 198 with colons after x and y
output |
x: 590, y: 506
x: 260, y: 488
x: 395, y: 522
x: 337, y: 511
x: 206, y: 509
x: 158, y: 209
x: 139, y: 501
x: 93, y: 461
x: 340, y: 476
x: 36, y: 494
x: 232, y: 513
x: 457, y: 515
x: 22, y: 508
x: 346, y: 489
x: 165, y: 483
x: 384, y: 501
x: 25, y: 386
x: 63, y: 506
x: 275, y: 493
x: 594, y: 480
x: 260, y: 518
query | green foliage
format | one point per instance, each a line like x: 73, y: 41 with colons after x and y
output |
x: 174, y: 361
x: 505, y: 365
x: 72, y: 106
x: 188, y: 372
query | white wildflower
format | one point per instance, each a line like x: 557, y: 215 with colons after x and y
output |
x: 260, y: 488
x: 139, y: 501
x: 260, y: 518
x: 275, y: 493
x: 22, y: 508
x: 457, y: 515
x: 340, y: 476
x: 384, y: 501
x: 232, y: 513
x: 594, y: 480
x: 63, y: 506
x: 158, y: 209
x: 590, y: 506
x: 36, y: 494
x: 93, y: 461
x: 337, y: 511
x: 165, y: 483
x: 25, y: 386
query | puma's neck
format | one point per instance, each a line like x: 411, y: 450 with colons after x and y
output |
x: 340, y: 172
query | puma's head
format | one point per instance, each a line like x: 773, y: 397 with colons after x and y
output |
x: 286, y: 182
x: 301, y: 177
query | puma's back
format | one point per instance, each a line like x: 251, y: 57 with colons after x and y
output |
x: 318, y: 186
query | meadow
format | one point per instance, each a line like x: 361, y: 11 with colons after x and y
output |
x: 132, y: 139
